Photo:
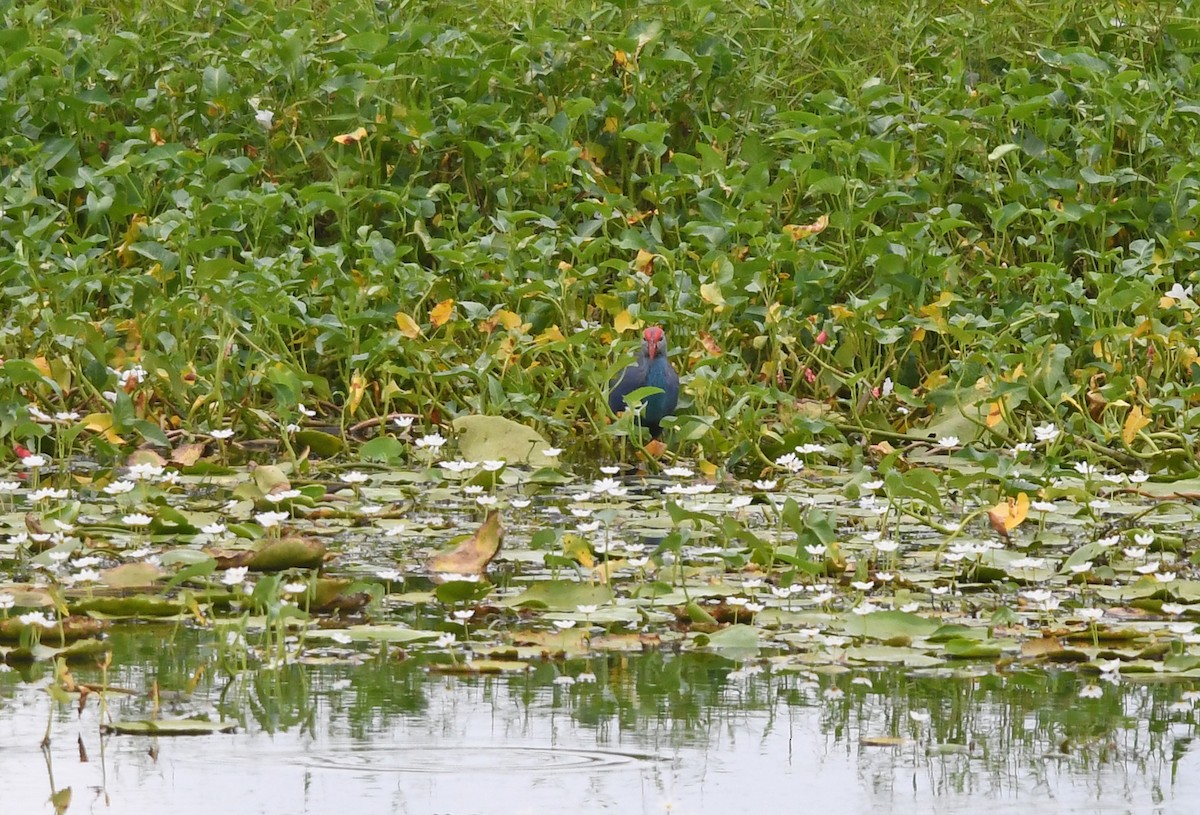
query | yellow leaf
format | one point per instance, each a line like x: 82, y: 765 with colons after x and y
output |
x: 1165, y: 302
x: 644, y: 262
x: 358, y: 387
x: 124, y: 254
x: 773, y: 313
x: 102, y: 423
x: 711, y: 292
x: 442, y: 312
x: 620, y: 59
x: 156, y: 138
x: 505, y: 351
x: 579, y: 550
x: 918, y: 334
x: 351, y: 138
x: 509, y: 319
x: 407, y: 325
x: 995, y: 414
x: 1134, y: 422
x: 611, y: 124
x: 551, y: 334
x: 1009, y: 514
x: 707, y: 468
x: 623, y: 322
x: 840, y: 312
x: 800, y: 231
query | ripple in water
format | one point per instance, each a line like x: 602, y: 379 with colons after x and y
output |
x: 477, y: 760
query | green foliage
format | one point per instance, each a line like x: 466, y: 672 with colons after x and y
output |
x: 448, y: 210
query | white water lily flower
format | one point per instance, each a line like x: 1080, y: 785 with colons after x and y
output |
x: 1179, y: 292
x: 119, y: 487
x: 1046, y: 432
x: 458, y: 465
x: 431, y: 441
x: 146, y: 471
x: 270, y: 519
x: 790, y: 462
x: 36, y: 618
x: 235, y: 576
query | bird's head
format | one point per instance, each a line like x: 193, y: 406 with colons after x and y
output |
x: 654, y: 341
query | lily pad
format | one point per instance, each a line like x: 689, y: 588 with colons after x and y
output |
x: 495, y: 438
x: 169, y: 727
x: 558, y: 595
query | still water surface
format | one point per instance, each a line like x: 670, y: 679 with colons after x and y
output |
x: 654, y: 733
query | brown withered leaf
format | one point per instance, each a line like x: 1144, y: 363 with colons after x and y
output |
x: 799, y: 231
x: 351, y: 138
x: 710, y: 345
x: 473, y: 555
x: 188, y: 454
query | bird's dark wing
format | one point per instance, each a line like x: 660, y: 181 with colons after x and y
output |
x: 628, y: 380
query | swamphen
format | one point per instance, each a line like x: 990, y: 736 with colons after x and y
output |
x: 653, y: 370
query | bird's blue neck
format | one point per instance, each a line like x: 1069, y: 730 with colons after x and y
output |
x: 656, y: 375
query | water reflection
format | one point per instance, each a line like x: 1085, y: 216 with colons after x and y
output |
x: 648, y: 733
